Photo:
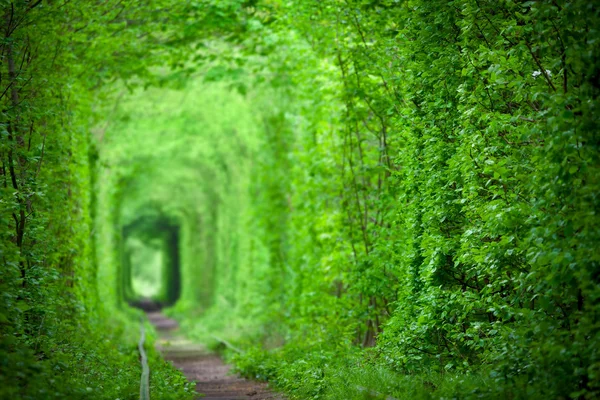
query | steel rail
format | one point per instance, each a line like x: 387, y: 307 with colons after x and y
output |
x: 145, y: 381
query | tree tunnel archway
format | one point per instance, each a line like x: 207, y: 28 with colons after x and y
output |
x: 188, y: 162
x: 150, y: 261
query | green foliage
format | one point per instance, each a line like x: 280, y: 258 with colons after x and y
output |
x: 432, y: 195
x: 370, y: 198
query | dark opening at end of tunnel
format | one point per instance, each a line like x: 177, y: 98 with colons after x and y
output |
x: 150, y: 263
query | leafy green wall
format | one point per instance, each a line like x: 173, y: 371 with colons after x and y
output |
x: 424, y: 202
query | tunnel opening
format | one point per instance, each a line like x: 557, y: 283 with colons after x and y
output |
x: 150, y: 264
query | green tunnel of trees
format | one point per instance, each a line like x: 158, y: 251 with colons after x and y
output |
x: 150, y: 267
x: 369, y: 199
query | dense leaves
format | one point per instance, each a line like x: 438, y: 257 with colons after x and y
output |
x: 372, y: 198
x: 439, y: 194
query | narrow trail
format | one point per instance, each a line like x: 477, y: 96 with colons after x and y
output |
x: 200, y: 365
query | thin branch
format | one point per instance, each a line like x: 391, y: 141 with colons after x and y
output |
x: 539, y: 64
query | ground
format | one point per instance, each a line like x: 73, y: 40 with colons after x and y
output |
x: 212, y: 376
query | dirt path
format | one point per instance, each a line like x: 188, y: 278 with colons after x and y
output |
x: 198, y: 364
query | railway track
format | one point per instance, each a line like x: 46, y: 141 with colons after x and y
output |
x: 213, y: 378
